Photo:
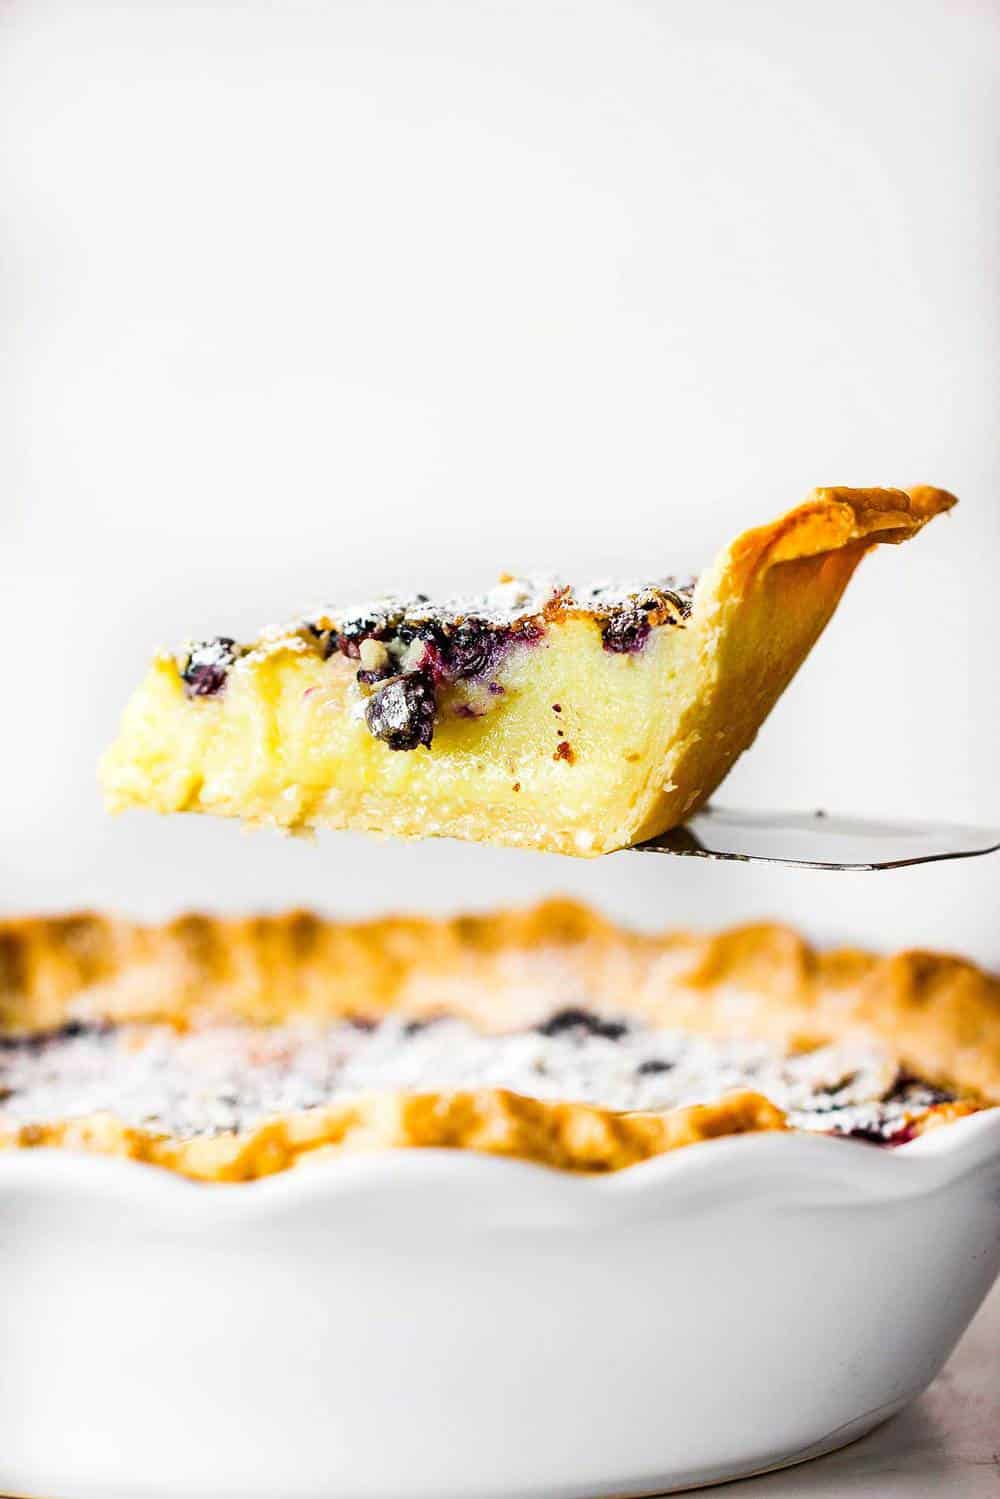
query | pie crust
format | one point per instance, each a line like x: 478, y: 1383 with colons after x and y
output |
x: 938, y: 1015
x: 541, y: 715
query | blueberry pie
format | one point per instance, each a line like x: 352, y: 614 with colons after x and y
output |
x: 228, y: 1050
x: 576, y: 719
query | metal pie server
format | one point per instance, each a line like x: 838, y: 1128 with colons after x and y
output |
x: 820, y: 840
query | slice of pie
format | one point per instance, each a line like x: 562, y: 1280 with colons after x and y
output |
x: 229, y: 1050
x: 574, y: 719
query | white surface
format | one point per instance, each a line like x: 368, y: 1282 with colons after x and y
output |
x: 947, y: 1443
x: 441, y: 1325
x: 302, y: 300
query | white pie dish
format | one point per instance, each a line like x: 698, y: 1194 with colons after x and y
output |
x: 449, y: 1325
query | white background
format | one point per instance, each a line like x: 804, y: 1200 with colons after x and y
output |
x: 304, y: 300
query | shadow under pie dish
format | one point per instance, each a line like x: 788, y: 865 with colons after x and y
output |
x: 469, y: 1323
x: 542, y: 714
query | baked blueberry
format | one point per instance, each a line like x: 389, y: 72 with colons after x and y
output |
x: 400, y: 712
x: 584, y: 1021
x: 207, y: 666
x: 625, y: 633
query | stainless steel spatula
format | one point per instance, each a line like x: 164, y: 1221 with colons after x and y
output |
x: 818, y: 840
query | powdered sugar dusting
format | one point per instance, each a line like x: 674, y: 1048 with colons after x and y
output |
x: 515, y: 599
x: 231, y: 1078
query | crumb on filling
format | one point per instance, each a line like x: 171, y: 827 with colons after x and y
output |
x: 229, y: 1078
x: 408, y: 650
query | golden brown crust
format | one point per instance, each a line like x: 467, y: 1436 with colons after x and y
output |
x: 939, y: 1012
x: 572, y: 1136
x: 830, y: 520
x: 757, y: 614
x: 941, y: 1016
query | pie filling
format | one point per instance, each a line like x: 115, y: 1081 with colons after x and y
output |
x: 410, y: 651
x: 578, y: 719
x: 231, y: 1078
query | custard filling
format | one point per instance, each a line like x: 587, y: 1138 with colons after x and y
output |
x: 417, y: 659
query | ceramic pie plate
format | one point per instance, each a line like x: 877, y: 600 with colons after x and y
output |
x: 434, y: 1323
x: 445, y: 1324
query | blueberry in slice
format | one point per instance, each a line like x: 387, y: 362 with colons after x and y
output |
x: 625, y: 633
x: 401, y: 712
x: 207, y: 666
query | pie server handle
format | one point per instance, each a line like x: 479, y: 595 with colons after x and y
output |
x: 820, y: 840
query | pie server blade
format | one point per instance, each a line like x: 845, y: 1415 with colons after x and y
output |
x: 820, y: 840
